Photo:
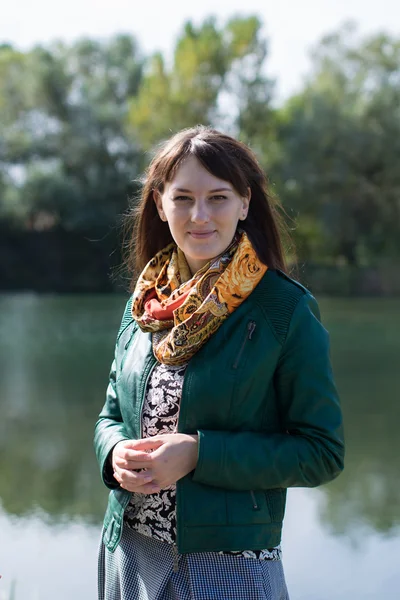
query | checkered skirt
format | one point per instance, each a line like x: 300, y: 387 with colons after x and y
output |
x: 141, y: 568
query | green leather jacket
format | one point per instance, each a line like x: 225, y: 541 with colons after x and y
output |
x: 261, y: 396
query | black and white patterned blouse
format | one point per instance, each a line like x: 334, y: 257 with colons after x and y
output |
x: 154, y: 514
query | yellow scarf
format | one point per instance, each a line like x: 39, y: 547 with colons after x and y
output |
x: 188, y: 310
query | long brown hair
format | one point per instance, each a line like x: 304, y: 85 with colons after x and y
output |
x: 226, y: 158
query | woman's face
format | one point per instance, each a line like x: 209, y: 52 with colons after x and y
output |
x: 202, y: 212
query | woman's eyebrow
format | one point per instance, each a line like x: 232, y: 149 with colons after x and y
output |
x: 222, y: 189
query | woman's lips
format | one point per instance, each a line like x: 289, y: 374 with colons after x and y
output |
x: 201, y: 234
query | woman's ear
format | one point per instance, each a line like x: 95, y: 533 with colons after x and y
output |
x: 246, y: 204
x: 158, y: 202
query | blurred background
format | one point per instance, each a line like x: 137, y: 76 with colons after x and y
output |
x: 87, y: 89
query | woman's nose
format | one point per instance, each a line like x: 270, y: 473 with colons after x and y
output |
x: 200, y: 213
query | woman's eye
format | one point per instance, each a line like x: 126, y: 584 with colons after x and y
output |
x: 189, y: 199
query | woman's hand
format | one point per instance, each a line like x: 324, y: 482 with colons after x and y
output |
x: 165, y: 458
x: 123, y: 457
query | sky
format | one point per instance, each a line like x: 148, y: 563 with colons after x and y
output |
x: 291, y: 26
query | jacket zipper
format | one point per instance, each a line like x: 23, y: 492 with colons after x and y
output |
x: 148, y: 370
x: 174, y: 546
x: 148, y: 374
x: 253, y: 497
x: 251, y: 325
x: 175, y: 557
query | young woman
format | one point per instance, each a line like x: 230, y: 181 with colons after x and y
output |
x: 221, y: 393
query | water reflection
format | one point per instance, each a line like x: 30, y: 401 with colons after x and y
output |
x: 54, y: 357
x: 366, y: 357
x: 55, y: 354
x: 43, y: 562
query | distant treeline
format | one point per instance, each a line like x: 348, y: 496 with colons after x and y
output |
x: 78, y: 122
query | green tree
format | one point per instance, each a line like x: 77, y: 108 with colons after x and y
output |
x: 64, y: 110
x: 216, y: 77
x: 339, y: 169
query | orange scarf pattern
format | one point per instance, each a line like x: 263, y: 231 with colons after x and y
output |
x: 182, y: 310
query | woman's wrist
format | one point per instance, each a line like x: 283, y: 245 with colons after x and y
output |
x: 195, y: 449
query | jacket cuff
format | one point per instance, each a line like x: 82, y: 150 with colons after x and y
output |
x: 107, y: 473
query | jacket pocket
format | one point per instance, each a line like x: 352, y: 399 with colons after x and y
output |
x: 247, y: 508
x: 276, y: 501
x: 251, y: 325
x: 123, y: 344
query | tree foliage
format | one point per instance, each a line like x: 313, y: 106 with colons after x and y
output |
x: 78, y: 120
x: 215, y: 78
x: 63, y: 141
x: 340, y: 135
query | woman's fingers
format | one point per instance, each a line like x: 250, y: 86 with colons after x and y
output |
x: 131, y: 459
x: 144, y: 444
x: 125, y: 458
x: 149, y: 488
x: 129, y: 465
x: 136, y: 482
x: 136, y: 454
x: 132, y: 477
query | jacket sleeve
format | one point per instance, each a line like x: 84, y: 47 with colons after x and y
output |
x: 310, y: 449
x: 110, y: 429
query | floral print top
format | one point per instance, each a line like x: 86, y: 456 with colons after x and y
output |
x: 153, y: 515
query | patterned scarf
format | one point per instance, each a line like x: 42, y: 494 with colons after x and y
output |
x: 183, y: 311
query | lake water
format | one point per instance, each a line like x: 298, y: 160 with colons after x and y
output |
x: 341, y: 541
